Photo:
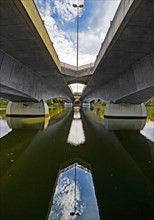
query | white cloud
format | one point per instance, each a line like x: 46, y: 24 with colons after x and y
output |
x: 103, y: 14
x: 90, y: 39
x: 65, y: 9
x: 63, y: 201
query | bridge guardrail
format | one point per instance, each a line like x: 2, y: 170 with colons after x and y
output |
x: 72, y: 70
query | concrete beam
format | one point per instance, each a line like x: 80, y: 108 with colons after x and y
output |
x: 82, y: 80
x: 36, y: 19
x: 29, y: 65
x: 19, y: 83
x: 124, y: 68
x: 82, y: 71
x: 119, y: 22
x: 136, y: 85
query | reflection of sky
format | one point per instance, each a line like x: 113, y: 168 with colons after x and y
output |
x: 64, y: 197
x: 148, y: 130
x: 76, y: 134
x: 4, y: 128
x: 77, y: 87
x: 77, y: 115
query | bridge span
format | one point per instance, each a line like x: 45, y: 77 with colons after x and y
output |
x: 30, y: 70
x: 29, y: 66
x: 124, y: 68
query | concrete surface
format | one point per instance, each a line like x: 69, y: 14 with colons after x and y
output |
x: 124, y: 68
x: 27, y: 109
x: 125, y: 111
x: 31, y: 71
x: 73, y: 75
x: 29, y: 65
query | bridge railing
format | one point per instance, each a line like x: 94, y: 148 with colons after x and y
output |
x: 72, y: 70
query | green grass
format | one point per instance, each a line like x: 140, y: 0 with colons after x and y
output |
x: 3, y: 102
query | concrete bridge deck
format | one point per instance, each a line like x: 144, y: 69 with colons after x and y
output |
x: 29, y: 66
x: 72, y: 74
x: 124, y: 68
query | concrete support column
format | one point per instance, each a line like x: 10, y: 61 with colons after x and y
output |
x: 27, y: 109
x: 124, y: 110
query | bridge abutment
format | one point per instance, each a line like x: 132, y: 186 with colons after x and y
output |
x: 124, y: 110
x: 27, y: 109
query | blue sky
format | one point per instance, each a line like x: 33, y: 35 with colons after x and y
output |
x: 74, y: 195
x: 60, y: 21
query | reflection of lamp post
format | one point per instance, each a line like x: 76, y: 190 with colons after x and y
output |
x: 77, y: 42
x: 75, y: 213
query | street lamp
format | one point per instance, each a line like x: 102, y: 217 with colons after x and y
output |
x: 77, y: 41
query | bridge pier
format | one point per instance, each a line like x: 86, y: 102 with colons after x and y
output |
x: 124, y: 110
x: 27, y: 109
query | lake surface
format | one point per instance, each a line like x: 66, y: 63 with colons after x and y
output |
x: 77, y: 165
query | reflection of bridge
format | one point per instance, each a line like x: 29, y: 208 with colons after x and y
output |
x: 118, y: 167
x: 30, y: 69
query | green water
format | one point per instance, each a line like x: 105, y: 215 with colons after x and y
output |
x: 38, y: 155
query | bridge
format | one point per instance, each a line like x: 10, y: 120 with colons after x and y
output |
x: 73, y: 75
x: 124, y: 68
x: 30, y: 70
x: 113, y: 155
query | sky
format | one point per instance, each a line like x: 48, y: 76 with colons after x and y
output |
x: 60, y: 20
x: 74, y: 193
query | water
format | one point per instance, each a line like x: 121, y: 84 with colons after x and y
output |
x: 77, y: 165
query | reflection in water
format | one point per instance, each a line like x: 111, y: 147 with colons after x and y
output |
x: 38, y: 123
x: 76, y: 134
x: 122, y: 162
x: 77, y: 115
x: 150, y: 113
x: 145, y: 125
x: 148, y: 130
x: 124, y: 124
x: 4, y: 128
x: 74, y: 195
x: 124, y: 167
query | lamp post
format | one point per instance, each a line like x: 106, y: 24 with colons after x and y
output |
x: 77, y: 30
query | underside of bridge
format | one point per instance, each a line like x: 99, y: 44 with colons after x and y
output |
x: 30, y: 70
x: 81, y: 75
x: 29, y: 66
x: 124, y: 68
